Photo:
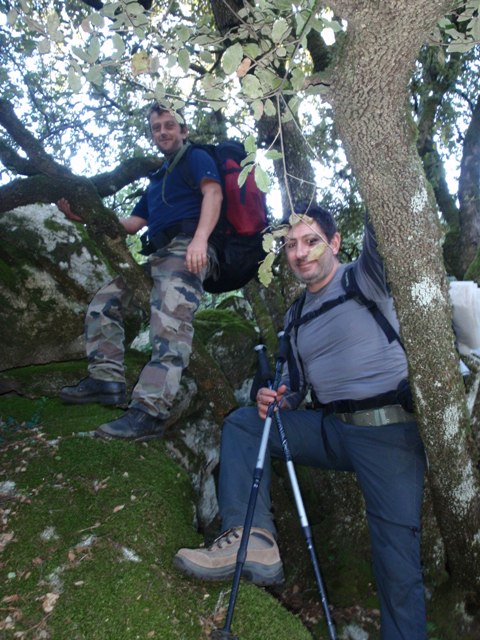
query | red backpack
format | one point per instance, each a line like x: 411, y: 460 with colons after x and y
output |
x: 238, y: 234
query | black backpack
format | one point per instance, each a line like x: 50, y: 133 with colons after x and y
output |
x: 238, y: 234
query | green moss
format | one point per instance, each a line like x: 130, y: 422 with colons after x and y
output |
x: 53, y: 225
x: 210, y: 321
x: 81, y: 506
x: 9, y: 276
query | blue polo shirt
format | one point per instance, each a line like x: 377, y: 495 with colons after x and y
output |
x: 170, y: 198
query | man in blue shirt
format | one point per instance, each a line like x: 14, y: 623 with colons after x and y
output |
x: 180, y: 220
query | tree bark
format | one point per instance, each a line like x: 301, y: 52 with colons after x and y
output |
x: 369, y: 95
x: 469, y: 198
x: 437, y: 80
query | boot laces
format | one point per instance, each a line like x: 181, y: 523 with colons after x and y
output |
x: 230, y: 536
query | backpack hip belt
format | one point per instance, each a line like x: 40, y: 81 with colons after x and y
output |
x: 390, y: 414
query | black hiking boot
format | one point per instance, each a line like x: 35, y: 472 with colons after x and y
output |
x: 93, y: 390
x: 133, y: 425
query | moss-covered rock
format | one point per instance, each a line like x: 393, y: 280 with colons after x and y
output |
x: 49, y: 271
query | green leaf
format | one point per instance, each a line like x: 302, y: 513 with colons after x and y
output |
x: 242, y: 176
x: 44, y: 46
x: 280, y: 30
x: 251, y: 87
x: 270, y: 109
x: 258, y: 109
x: 74, y: 80
x: 250, y: 144
x: 94, y: 49
x: 97, y: 20
x: 332, y: 24
x: 140, y: 62
x: 249, y: 159
x: 134, y: 8
x: 297, y: 79
x: 232, y: 58
x: 265, y: 272
x: 95, y: 74
x: 252, y: 50
x: 262, y: 179
x: 474, y: 28
x: 12, y: 16
x: 273, y: 154
x: 183, y: 33
x: 268, y: 242
x: 159, y: 92
x: 80, y: 53
x: 184, y: 60
x: 316, y: 89
x: 119, y: 46
x: 460, y: 47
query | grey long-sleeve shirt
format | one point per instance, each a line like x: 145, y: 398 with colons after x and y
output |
x: 344, y: 352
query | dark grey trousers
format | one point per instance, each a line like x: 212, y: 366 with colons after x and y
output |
x: 389, y: 463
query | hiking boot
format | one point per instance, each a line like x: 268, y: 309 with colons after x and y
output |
x: 93, y: 390
x: 263, y: 565
x: 133, y: 425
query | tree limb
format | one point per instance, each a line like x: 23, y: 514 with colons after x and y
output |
x: 40, y: 160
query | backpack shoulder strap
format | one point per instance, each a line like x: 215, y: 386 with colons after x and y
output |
x: 185, y: 166
x: 297, y: 319
x: 351, y: 287
x: 295, y: 314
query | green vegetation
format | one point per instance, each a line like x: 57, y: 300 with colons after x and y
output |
x: 89, y: 530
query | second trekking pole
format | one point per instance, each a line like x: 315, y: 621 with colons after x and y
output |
x: 264, y: 367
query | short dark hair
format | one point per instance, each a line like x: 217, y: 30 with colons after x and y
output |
x: 322, y: 217
x: 156, y: 107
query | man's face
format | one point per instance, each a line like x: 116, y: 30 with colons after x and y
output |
x: 167, y: 133
x: 312, y: 259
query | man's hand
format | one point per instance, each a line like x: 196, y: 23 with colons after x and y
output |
x: 266, y: 396
x: 64, y: 206
x: 197, y: 257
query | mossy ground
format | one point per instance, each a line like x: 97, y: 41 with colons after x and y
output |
x: 88, y: 532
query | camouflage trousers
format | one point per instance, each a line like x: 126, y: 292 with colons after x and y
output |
x: 174, y: 299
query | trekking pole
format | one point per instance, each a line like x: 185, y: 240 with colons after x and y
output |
x: 225, y: 633
x: 283, y: 350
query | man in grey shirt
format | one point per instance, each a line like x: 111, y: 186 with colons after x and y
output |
x: 351, y: 358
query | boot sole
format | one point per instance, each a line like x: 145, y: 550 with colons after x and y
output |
x: 260, y: 574
x: 106, y: 399
x: 107, y: 436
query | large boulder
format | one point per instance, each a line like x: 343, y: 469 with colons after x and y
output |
x: 49, y: 271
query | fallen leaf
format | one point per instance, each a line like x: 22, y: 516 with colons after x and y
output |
x: 9, y: 599
x: 50, y: 601
x: 118, y: 508
x: 5, y: 538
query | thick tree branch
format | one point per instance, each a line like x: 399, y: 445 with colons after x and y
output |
x: 14, y: 162
x: 127, y: 172
x: 40, y: 160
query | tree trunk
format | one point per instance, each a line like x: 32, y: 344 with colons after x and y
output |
x: 469, y: 197
x: 437, y: 80
x: 369, y: 95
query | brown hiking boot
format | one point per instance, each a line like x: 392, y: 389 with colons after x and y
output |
x: 263, y: 565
